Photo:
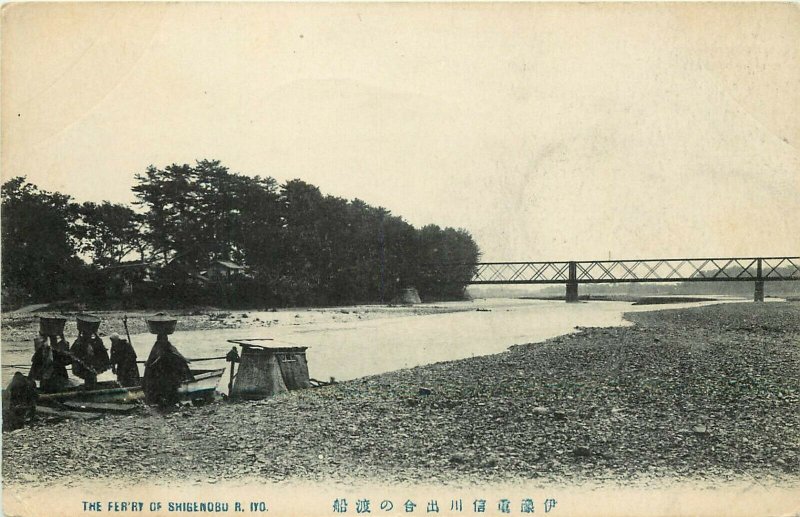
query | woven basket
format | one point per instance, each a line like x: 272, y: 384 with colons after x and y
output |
x: 52, y: 325
x: 87, y: 323
x: 161, y: 325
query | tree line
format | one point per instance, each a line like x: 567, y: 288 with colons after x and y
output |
x: 299, y: 246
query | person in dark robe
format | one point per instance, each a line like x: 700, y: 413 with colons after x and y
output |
x: 61, y: 359
x: 19, y: 402
x: 164, y: 371
x: 37, y: 361
x: 49, y: 364
x: 90, y: 358
x: 123, y: 362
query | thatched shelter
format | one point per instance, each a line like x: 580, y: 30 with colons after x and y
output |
x: 266, y: 371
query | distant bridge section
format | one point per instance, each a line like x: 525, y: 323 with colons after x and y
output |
x: 572, y: 273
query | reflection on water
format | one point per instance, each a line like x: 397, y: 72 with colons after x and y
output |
x: 347, y: 350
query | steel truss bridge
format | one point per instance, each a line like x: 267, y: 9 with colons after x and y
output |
x: 572, y: 273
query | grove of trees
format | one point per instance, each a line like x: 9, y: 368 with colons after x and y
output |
x: 300, y: 247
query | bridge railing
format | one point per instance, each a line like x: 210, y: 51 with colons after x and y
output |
x: 648, y: 270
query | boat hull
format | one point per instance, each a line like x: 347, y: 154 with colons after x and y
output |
x: 202, y: 387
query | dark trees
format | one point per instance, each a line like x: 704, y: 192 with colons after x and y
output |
x: 173, y: 213
x: 109, y: 232
x: 39, y: 255
x: 301, y: 247
x: 203, y: 213
x: 454, y: 249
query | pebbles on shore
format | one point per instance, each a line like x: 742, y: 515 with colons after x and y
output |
x: 711, y: 392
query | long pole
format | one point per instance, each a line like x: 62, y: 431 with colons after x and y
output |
x: 128, y: 334
x: 125, y: 324
x: 197, y: 360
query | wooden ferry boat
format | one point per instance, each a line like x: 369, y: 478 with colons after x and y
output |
x: 202, y: 388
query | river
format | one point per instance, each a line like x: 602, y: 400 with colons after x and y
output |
x: 352, y: 349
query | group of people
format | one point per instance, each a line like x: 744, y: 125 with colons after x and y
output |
x: 165, y: 369
x: 88, y: 357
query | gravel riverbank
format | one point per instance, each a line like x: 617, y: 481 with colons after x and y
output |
x: 708, y: 393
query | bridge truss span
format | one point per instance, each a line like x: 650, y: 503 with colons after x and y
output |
x: 572, y: 273
x: 647, y: 270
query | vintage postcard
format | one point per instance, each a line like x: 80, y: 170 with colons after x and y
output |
x: 343, y: 259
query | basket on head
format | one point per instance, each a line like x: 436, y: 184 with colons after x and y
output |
x: 52, y: 325
x: 161, y: 324
x: 87, y: 323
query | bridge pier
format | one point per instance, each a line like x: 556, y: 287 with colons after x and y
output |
x: 572, y: 292
x: 572, y: 283
x: 759, y: 294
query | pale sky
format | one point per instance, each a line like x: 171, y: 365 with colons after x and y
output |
x: 550, y: 132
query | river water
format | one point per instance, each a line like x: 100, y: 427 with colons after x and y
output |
x: 356, y: 348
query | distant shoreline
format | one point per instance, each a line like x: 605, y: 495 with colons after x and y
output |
x: 637, y: 300
x: 23, y: 327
